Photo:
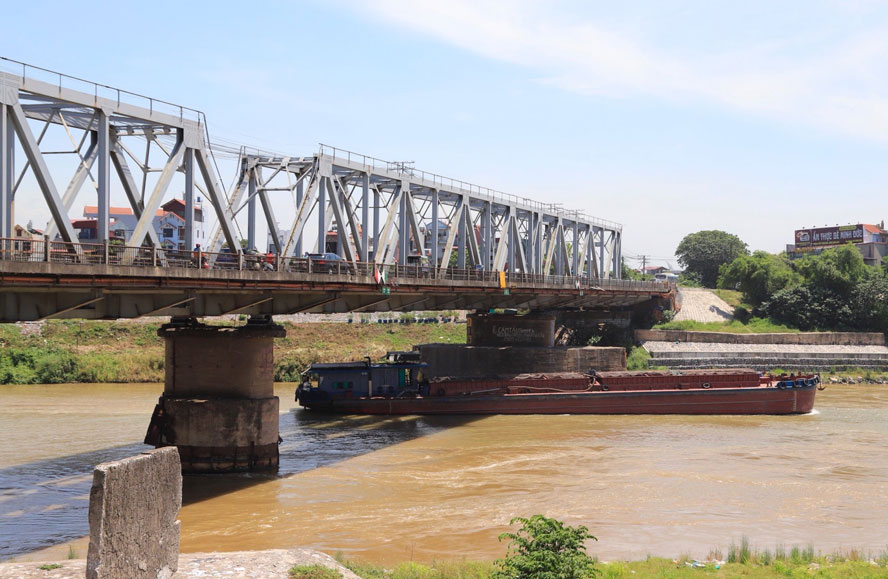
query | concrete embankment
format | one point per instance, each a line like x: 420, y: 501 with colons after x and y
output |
x: 271, y: 563
x: 814, y: 351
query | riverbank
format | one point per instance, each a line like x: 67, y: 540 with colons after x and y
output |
x: 306, y: 563
x: 71, y: 351
x: 270, y: 563
x: 83, y: 351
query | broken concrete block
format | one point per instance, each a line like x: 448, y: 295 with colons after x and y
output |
x: 133, y: 505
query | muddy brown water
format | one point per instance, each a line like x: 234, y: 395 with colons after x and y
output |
x: 427, y: 488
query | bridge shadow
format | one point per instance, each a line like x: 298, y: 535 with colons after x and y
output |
x: 314, y: 440
x: 46, y: 502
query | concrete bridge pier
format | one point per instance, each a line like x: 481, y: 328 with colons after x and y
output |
x: 218, y: 406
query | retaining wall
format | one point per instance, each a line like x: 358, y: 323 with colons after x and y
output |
x: 801, y: 338
x: 458, y: 360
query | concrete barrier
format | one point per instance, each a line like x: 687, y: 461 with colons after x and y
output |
x: 133, y: 505
x: 801, y: 338
x: 462, y: 361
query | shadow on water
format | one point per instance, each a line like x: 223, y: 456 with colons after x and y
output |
x: 312, y: 440
x: 46, y: 503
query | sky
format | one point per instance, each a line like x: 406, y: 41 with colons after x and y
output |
x: 668, y: 117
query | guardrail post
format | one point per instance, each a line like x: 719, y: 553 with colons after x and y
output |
x: 106, y: 252
x: 46, y: 248
x: 240, y: 260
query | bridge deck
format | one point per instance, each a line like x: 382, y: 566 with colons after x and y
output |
x: 82, y: 285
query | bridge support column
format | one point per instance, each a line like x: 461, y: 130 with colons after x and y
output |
x: 218, y: 406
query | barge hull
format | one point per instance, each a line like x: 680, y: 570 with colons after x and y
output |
x: 739, y: 401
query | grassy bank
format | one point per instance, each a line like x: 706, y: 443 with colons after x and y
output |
x: 61, y: 351
x: 753, y: 326
x: 740, y: 561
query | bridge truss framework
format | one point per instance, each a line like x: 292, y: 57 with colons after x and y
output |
x: 381, y: 212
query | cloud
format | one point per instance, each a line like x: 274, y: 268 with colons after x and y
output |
x: 822, y: 78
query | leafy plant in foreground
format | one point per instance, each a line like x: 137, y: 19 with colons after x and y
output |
x: 546, y: 548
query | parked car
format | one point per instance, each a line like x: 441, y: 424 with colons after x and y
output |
x: 329, y: 262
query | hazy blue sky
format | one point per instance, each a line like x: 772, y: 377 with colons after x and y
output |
x: 668, y: 117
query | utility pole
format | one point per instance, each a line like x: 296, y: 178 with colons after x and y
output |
x: 643, y: 267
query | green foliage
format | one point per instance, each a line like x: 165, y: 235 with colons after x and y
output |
x: 50, y: 566
x: 34, y: 365
x: 704, y: 252
x: 638, y: 359
x: 758, y: 276
x: 314, y: 572
x: 627, y: 272
x: 689, y: 279
x: 755, y: 325
x: 739, y: 554
x: 837, y: 269
x: 731, y: 297
x: 546, y: 548
x: 742, y: 315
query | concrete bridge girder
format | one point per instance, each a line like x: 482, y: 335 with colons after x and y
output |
x: 32, y: 291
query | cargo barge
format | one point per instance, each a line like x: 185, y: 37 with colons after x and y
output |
x: 399, y: 387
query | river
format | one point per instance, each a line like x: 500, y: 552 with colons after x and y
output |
x: 436, y: 488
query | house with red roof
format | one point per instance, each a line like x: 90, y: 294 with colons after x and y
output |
x: 169, y: 224
x: 870, y: 239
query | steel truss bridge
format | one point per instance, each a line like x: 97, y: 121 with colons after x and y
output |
x: 444, y: 240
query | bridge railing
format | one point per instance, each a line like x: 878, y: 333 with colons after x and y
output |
x: 24, y: 249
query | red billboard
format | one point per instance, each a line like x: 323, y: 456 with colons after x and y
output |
x: 838, y: 235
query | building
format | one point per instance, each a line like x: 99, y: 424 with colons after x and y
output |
x: 169, y: 224
x: 870, y: 240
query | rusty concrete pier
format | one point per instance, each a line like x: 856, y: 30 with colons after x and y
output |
x: 218, y: 406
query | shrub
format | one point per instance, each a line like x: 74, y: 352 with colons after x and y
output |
x: 545, y: 548
x: 314, y: 572
x: 742, y: 315
x: 638, y: 359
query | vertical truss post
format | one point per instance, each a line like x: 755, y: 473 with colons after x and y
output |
x: 251, y: 211
x: 486, y: 235
x: 461, y: 233
x: 601, y: 262
x: 189, y: 240
x: 6, y: 146
x: 403, y: 225
x: 322, y: 213
x: 103, y: 220
x: 575, y: 254
x: 435, y: 231
x: 618, y: 255
x: 375, y: 224
x: 365, y: 216
x: 511, y: 228
x: 299, y: 194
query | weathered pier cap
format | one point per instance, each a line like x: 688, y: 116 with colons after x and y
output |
x: 511, y: 330
x: 218, y: 406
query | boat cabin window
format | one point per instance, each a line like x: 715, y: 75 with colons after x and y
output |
x: 312, y: 380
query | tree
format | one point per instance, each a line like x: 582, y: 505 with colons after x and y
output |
x: 628, y: 273
x: 758, y: 276
x: 837, y: 269
x: 702, y: 253
x: 546, y: 548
